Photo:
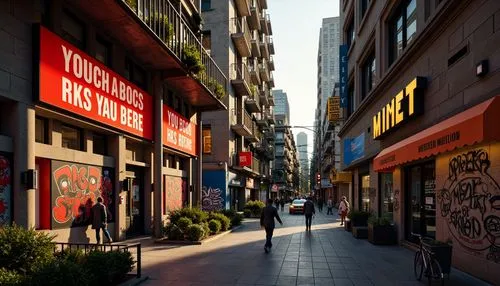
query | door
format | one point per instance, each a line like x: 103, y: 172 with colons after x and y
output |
x: 135, y: 205
x: 421, y: 194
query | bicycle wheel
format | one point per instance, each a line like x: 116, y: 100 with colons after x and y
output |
x: 435, y: 272
x: 418, y: 265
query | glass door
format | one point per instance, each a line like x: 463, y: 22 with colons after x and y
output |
x: 134, y: 206
x: 415, y: 199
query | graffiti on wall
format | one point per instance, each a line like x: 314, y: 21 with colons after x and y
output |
x: 213, y: 190
x: 173, y: 188
x: 470, y: 201
x: 395, y: 206
x: 5, y: 191
x: 75, y: 189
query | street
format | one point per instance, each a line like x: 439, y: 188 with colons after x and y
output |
x: 328, y: 255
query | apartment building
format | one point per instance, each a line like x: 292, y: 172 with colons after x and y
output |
x: 303, y: 162
x: 286, y: 161
x: 420, y: 135
x: 102, y: 99
x: 237, y: 143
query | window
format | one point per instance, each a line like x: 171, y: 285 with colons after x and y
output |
x: 363, y: 7
x: 71, y: 137
x: 402, y: 29
x: 135, y: 74
x: 103, y: 51
x: 41, y: 130
x: 368, y: 75
x: 206, y: 5
x: 73, y: 30
x: 350, y: 99
x: 99, y: 144
x: 387, y: 195
x: 206, y: 40
x: 365, y: 193
x: 207, y: 139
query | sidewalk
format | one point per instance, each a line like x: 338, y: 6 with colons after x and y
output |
x: 327, y: 255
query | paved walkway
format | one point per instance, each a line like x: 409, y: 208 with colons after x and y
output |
x: 327, y: 255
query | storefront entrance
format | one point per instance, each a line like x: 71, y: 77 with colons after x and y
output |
x: 135, y: 202
x: 421, y: 198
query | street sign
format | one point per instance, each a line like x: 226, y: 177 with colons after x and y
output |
x: 333, y: 105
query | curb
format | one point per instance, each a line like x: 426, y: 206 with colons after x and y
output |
x: 135, y: 281
x: 207, y: 240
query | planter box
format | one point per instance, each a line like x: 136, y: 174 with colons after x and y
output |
x: 442, y: 253
x: 360, y: 231
x: 385, y: 235
x: 347, y: 225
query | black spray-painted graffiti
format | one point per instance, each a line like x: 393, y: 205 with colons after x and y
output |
x: 470, y: 200
x: 212, y: 199
x: 396, y: 201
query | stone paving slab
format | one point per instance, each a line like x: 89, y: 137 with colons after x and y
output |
x: 327, y: 255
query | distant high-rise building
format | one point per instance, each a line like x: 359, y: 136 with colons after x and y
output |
x: 303, y: 160
x: 281, y: 105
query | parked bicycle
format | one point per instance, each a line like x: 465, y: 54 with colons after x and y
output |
x: 426, y: 263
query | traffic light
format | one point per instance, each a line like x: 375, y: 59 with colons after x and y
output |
x: 318, y: 178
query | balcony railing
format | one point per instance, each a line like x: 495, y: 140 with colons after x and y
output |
x: 241, y: 122
x: 261, y: 120
x: 264, y: 47
x: 256, y: 165
x: 240, y: 33
x: 270, y: 63
x: 253, y: 100
x: 264, y: 94
x: 240, y: 79
x: 243, y: 7
x: 255, y: 44
x: 254, y: 19
x: 161, y: 17
x: 271, y: 80
x: 253, y: 67
x: 263, y: 23
x: 264, y: 70
x: 270, y: 44
x: 269, y: 26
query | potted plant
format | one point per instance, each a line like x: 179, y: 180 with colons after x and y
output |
x: 381, y: 231
x: 442, y: 251
x: 217, y: 88
x: 191, y: 56
x: 359, y: 221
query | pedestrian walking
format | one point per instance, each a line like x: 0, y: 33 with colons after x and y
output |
x: 100, y: 221
x: 277, y: 202
x: 309, y: 211
x: 267, y: 222
x: 320, y: 204
x: 329, y: 205
x: 343, y: 209
x: 282, y: 204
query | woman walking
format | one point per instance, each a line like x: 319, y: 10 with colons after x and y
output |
x: 343, y: 209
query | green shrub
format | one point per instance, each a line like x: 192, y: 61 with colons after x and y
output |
x: 73, y: 255
x: 183, y: 223
x: 175, y: 233
x: 359, y: 218
x: 196, y: 215
x: 191, y: 56
x: 61, y: 272
x: 224, y: 220
x: 255, y: 207
x: 247, y: 213
x: 24, y: 250
x: 229, y: 213
x: 11, y: 277
x: 214, y: 226
x: 379, y: 221
x: 236, y: 220
x: 217, y: 88
x: 206, y: 229
x: 132, y: 4
x: 108, y: 267
x: 195, y: 232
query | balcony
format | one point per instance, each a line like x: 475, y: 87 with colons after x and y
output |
x: 270, y: 100
x: 270, y: 43
x: 264, y: 94
x: 271, y: 80
x: 254, y: 19
x: 269, y: 26
x: 241, y: 122
x: 243, y: 7
x: 240, y: 79
x: 256, y: 165
x: 261, y: 120
x: 255, y: 44
x: 159, y: 38
x: 270, y: 63
x: 264, y: 47
x: 270, y: 118
x: 263, y: 23
x: 255, y: 136
x: 252, y: 102
x: 263, y: 4
x: 264, y: 70
x: 269, y: 134
x: 241, y: 36
x: 254, y: 72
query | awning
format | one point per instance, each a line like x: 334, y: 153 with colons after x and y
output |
x: 477, y: 124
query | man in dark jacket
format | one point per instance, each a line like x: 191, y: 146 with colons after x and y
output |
x: 267, y: 221
x: 100, y: 221
x: 309, y: 211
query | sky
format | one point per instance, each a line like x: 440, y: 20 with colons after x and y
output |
x: 296, y: 25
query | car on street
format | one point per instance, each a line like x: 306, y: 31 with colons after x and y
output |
x: 297, y: 206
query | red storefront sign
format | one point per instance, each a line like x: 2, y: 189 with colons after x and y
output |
x: 178, y: 132
x: 78, y: 83
x: 245, y: 159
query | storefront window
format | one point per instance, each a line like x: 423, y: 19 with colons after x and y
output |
x: 387, y: 195
x: 41, y: 130
x: 99, y: 144
x: 207, y: 140
x: 365, y: 193
x: 71, y: 137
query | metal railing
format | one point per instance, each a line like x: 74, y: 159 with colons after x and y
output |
x: 242, y: 117
x: 133, y: 248
x: 256, y: 165
x: 240, y: 71
x: 256, y: 131
x: 240, y: 25
x: 169, y: 26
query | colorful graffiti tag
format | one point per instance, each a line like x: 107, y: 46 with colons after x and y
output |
x: 470, y: 202
x: 173, y: 189
x: 75, y: 189
x: 5, y: 190
x: 214, y: 190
